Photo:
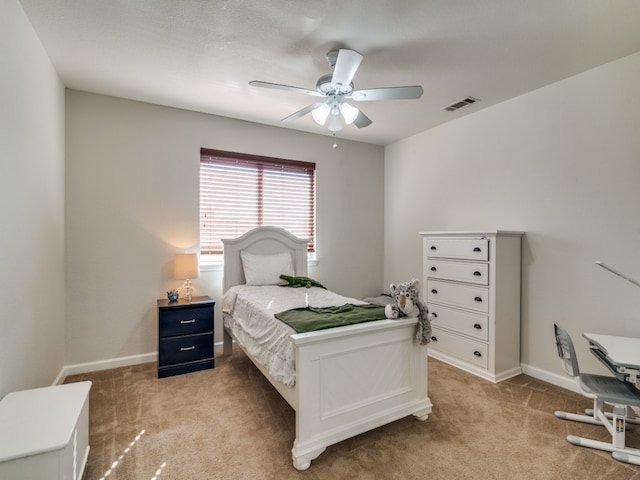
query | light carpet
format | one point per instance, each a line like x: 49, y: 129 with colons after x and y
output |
x: 230, y: 423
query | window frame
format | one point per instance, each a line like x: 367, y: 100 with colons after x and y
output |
x: 262, y: 164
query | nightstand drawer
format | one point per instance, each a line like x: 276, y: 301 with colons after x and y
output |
x: 185, y: 321
x: 186, y: 348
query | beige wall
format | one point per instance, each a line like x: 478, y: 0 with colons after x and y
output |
x: 132, y: 203
x: 560, y: 163
x: 32, y: 213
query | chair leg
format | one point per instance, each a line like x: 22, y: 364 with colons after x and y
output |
x: 631, y: 416
x: 605, y: 446
x: 625, y: 458
x: 616, y: 426
x: 591, y: 417
x: 575, y: 417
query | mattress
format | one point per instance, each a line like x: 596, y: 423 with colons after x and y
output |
x: 248, y: 312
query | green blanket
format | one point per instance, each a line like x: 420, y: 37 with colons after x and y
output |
x: 309, y: 319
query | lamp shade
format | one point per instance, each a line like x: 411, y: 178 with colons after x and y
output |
x: 185, y: 265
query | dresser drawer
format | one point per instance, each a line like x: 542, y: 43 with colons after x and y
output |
x: 465, y: 296
x: 458, y: 271
x: 185, y: 321
x: 468, y: 323
x: 467, y: 350
x: 475, y: 248
x: 186, y: 348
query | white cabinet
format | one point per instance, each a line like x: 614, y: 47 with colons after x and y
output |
x: 44, y: 433
x: 471, y: 283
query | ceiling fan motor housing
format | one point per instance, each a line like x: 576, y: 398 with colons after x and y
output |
x: 325, y: 86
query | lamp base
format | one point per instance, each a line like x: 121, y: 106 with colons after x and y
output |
x: 187, y: 290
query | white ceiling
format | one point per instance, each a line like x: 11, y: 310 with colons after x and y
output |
x: 201, y: 54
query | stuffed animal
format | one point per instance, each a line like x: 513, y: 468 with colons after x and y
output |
x: 407, y: 303
x: 297, y: 282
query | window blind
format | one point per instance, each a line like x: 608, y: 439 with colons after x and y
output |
x: 239, y: 192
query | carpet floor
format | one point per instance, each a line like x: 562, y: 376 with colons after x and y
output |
x: 230, y: 423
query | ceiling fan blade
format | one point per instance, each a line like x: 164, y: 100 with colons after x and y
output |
x: 388, y: 93
x: 301, y: 113
x: 362, y: 120
x: 346, y: 66
x: 288, y: 88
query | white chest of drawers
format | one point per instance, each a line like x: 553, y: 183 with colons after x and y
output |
x: 471, y: 283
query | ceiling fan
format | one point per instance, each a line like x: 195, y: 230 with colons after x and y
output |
x: 336, y: 88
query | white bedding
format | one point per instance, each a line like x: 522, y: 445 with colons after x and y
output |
x: 248, y: 312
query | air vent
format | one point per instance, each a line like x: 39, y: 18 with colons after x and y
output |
x: 461, y: 103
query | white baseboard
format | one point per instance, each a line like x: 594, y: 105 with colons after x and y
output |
x: 79, y: 368
x: 562, y: 381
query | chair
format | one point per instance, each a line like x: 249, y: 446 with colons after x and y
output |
x: 603, y: 390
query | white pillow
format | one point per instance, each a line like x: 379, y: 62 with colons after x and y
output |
x: 266, y: 269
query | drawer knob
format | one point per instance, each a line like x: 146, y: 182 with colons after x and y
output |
x: 434, y: 269
x: 434, y: 291
x: 434, y: 338
x: 435, y: 315
x: 477, y: 249
x: 477, y: 326
x: 477, y: 274
x: 477, y: 353
x: 478, y: 299
x: 433, y: 247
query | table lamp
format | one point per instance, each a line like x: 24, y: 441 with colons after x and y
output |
x: 185, y: 267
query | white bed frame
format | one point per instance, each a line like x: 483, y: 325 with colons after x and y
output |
x: 349, y: 379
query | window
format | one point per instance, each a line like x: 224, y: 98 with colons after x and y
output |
x: 239, y: 192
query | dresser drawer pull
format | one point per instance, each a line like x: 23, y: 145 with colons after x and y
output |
x: 434, y: 269
x: 477, y: 274
x: 433, y: 247
x: 434, y: 291
x: 193, y: 320
x: 186, y: 349
x: 477, y: 249
x: 478, y: 299
x: 477, y: 326
x: 477, y: 353
x: 434, y: 338
x: 435, y: 315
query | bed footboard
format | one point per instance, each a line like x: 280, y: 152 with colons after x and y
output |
x: 353, y: 379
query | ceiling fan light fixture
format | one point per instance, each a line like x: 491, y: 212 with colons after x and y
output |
x: 335, y: 125
x: 321, y: 113
x: 349, y: 112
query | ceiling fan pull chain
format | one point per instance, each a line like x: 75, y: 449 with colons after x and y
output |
x: 335, y: 141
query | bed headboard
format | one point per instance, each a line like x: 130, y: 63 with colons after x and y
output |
x: 261, y: 241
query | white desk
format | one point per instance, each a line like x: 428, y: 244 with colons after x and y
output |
x: 620, y: 354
